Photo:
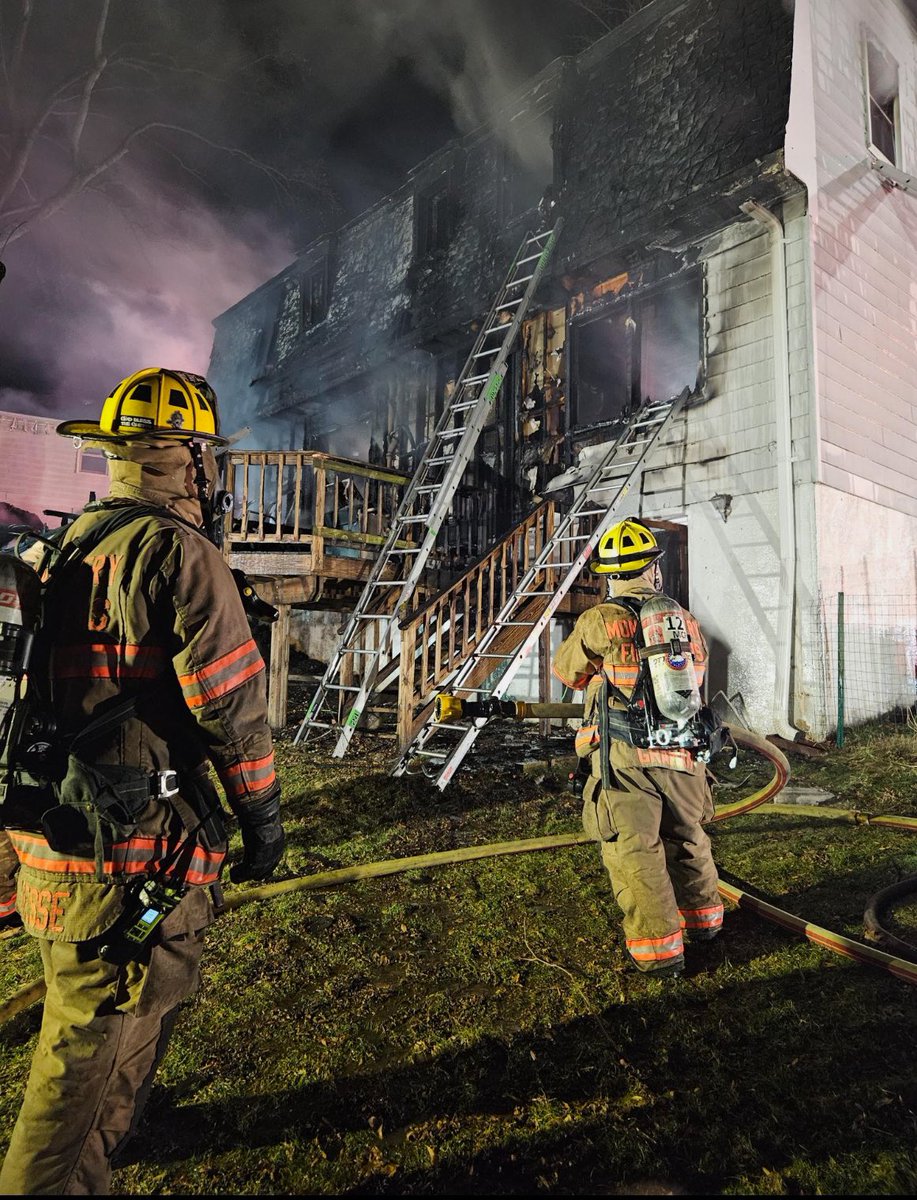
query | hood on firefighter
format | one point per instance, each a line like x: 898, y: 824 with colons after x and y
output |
x: 161, y: 473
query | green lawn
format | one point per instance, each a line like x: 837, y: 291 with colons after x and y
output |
x: 474, y: 1029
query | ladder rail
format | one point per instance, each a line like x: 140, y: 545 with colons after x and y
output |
x: 443, y: 490
x: 582, y: 507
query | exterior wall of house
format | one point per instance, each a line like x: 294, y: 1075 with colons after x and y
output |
x: 42, y: 470
x: 861, y: 249
x: 718, y: 469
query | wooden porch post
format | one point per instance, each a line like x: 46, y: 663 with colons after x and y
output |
x: 279, y: 669
x: 406, y: 687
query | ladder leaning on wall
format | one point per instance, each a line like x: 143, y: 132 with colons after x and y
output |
x: 491, y: 666
x: 427, y: 500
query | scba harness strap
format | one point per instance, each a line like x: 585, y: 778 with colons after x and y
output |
x: 48, y: 782
x: 642, y: 723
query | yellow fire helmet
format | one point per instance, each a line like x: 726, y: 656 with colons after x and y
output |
x: 625, y: 550
x: 154, y: 403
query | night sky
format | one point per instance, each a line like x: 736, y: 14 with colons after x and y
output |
x: 276, y: 120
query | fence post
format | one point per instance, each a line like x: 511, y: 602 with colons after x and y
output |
x: 840, y: 669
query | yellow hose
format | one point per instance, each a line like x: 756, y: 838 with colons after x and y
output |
x: 31, y: 992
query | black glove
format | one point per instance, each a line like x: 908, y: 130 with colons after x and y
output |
x: 263, y: 839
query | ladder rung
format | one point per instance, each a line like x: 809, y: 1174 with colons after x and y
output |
x: 437, y: 754
x: 531, y: 258
x: 455, y: 433
x: 501, y: 657
x: 438, y: 462
x: 516, y: 282
x: 485, y: 353
x: 321, y: 725
x: 512, y: 304
x: 449, y: 726
x: 476, y: 378
x: 464, y: 405
x: 342, y: 687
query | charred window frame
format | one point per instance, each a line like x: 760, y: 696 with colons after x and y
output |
x: 880, y: 73
x: 433, y: 213
x: 649, y: 344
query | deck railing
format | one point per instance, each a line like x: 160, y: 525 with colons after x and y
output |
x: 437, y: 637
x: 310, y: 499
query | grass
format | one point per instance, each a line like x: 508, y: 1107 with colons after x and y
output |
x: 475, y: 1030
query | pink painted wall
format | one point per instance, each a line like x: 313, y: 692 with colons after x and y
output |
x: 40, y: 470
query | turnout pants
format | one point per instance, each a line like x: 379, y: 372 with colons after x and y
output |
x: 103, y: 1033
x: 659, y: 859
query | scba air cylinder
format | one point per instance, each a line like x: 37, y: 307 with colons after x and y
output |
x: 672, y: 671
x: 20, y: 606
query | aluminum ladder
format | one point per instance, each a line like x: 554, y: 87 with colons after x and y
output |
x: 427, y: 499
x: 563, y: 555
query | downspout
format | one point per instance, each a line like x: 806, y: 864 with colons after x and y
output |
x: 786, y: 508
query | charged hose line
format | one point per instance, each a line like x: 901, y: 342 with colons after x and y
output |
x: 33, y: 991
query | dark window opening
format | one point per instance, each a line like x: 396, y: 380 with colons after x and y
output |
x: 527, y: 167
x: 433, y: 225
x: 882, y: 93
x: 142, y: 392
x: 646, y: 347
x: 315, y: 296
x: 176, y: 399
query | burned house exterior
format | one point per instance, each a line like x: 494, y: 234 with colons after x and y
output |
x: 738, y: 220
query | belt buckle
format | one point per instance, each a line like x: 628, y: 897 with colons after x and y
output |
x: 168, y: 783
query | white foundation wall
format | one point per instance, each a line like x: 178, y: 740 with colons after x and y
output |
x: 871, y: 559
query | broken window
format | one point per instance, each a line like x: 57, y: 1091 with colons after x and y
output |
x: 644, y: 347
x: 433, y: 218
x: 882, y: 99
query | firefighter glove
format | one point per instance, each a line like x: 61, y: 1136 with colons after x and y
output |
x: 263, y: 839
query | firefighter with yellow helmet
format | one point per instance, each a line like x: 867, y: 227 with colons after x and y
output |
x: 641, y: 658
x: 149, y: 676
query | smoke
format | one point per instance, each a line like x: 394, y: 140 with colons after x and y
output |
x: 133, y: 269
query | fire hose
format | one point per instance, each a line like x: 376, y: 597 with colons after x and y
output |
x: 900, y: 967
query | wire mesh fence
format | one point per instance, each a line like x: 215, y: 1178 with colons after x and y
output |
x: 860, y: 657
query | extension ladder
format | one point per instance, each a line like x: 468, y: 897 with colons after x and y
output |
x: 427, y: 500
x: 491, y: 667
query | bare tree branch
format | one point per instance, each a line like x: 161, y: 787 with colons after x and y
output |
x: 82, y: 178
x: 18, y: 48
x: 92, y: 78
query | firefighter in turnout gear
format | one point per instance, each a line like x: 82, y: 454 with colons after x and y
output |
x: 148, y: 660
x: 645, y: 803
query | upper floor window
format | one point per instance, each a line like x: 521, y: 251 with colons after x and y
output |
x: 527, y: 166
x: 315, y: 296
x: 882, y: 98
x: 94, y: 462
x: 433, y: 217
x: 644, y: 347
